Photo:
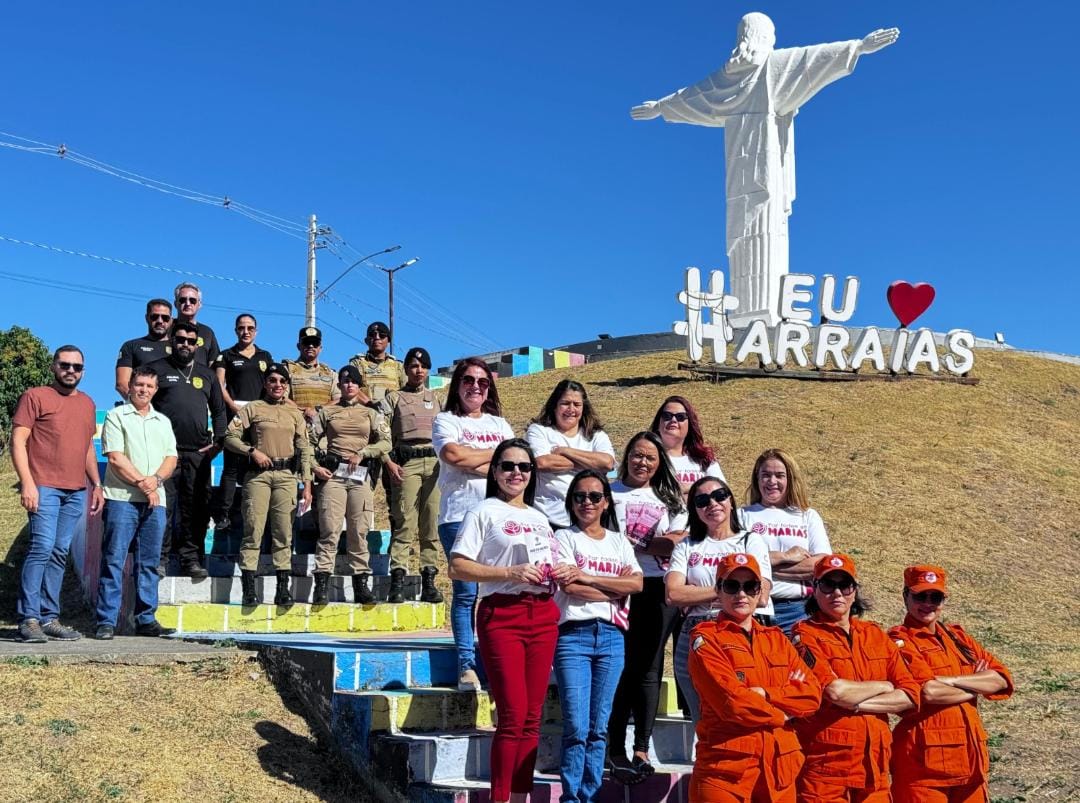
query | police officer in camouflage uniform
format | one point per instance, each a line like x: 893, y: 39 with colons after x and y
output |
x: 413, y: 468
x: 274, y: 436
x: 312, y: 382
x: 356, y: 441
x: 381, y: 372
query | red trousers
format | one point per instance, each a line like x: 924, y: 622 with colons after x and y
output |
x: 517, y: 637
x: 975, y: 792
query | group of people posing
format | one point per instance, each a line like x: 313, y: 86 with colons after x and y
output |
x: 553, y: 567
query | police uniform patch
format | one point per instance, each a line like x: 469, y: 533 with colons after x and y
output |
x: 168, y: 349
x: 900, y: 642
x: 200, y: 342
x: 262, y: 365
x: 807, y: 656
x: 197, y: 382
x: 741, y: 676
x: 697, y: 643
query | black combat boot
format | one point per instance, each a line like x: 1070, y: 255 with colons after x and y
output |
x: 247, y: 589
x: 322, y: 588
x: 428, y: 592
x: 283, y: 596
x: 361, y: 590
x: 397, y: 586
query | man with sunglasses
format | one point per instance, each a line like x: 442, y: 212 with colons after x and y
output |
x: 313, y: 383
x: 382, y: 373
x: 956, y: 671
x: 189, y: 393
x: 188, y: 303
x: 53, y: 452
x: 151, y: 347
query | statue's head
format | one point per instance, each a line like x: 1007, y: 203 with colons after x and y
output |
x: 757, y: 37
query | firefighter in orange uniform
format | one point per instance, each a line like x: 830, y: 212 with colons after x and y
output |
x: 752, y: 683
x: 864, y: 679
x: 939, y: 752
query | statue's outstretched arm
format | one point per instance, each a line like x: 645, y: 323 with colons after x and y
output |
x: 881, y: 38
x: 649, y: 110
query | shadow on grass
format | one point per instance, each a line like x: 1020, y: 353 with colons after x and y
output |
x: 640, y: 381
x: 303, y: 763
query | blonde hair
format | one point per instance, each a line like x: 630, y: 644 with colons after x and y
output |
x: 795, y: 496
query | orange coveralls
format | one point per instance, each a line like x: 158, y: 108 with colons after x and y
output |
x: 939, y: 751
x: 847, y: 754
x: 747, y: 751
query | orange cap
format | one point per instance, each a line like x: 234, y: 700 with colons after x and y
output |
x: 737, y: 560
x: 834, y: 563
x: 924, y: 578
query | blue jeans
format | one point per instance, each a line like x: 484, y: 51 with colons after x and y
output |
x: 788, y: 612
x: 682, y: 666
x: 60, y: 515
x: 462, y: 606
x: 124, y: 522
x: 588, y: 664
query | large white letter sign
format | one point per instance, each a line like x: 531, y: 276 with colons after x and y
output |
x: 847, y: 301
x: 923, y: 350
x: 960, y: 358
x: 792, y: 337
x: 899, y: 351
x: 755, y: 340
x: 792, y: 294
x: 696, y: 330
x: 830, y: 340
x: 868, y: 347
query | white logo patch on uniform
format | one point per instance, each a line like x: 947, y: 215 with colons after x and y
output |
x: 930, y: 577
x: 697, y: 643
x: 836, y: 562
x: 741, y: 560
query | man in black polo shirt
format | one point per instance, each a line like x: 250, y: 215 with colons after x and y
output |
x: 188, y: 299
x: 151, y: 347
x: 187, y: 393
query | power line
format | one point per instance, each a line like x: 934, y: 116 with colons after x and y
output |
x: 149, y: 266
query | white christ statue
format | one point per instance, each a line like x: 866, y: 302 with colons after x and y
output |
x: 755, y: 97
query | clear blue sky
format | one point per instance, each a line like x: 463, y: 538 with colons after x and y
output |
x: 493, y: 141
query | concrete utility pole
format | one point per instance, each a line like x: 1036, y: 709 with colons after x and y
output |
x: 390, y: 272
x: 309, y: 311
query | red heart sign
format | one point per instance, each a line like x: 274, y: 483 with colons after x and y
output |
x: 909, y: 301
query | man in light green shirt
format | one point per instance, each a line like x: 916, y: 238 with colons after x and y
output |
x: 139, y: 444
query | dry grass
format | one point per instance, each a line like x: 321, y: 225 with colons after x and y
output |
x: 984, y: 480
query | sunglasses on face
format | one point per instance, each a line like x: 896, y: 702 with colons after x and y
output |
x: 749, y: 587
x: 190, y: 341
x: 720, y: 495
x: 509, y: 465
x: 933, y: 597
x: 579, y: 497
x: 667, y: 415
x: 187, y: 300
x: 77, y: 367
x: 159, y: 316
x: 469, y: 380
x: 378, y: 335
x: 845, y: 587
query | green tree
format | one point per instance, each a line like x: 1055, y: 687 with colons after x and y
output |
x: 24, y: 363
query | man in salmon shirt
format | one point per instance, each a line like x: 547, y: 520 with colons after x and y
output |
x: 751, y: 684
x: 939, y: 752
x: 864, y: 679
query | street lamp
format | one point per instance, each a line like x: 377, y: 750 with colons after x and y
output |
x: 390, y: 273
x: 389, y: 250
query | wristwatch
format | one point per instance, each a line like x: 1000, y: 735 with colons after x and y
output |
x: 251, y: 450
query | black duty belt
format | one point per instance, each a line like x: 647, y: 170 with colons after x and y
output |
x: 403, y: 454
x: 279, y: 464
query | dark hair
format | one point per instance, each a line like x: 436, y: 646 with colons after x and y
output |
x: 244, y: 315
x: 608, y: 519
x: 589, y: 422
x: 492, y: 406
x: 67, y: 347
x: 511, y: 443
x: 143, y: 370
x: 664, y: 483
x: 694, y: 446
x: 419, y: 354
x: 859, y: 605
x: 187, y: 326
x: 157, y: 302
x: 698, y: 528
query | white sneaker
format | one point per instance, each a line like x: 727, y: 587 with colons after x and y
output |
x: 468, y: 681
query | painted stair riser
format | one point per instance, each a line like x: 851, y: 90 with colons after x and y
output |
x: 302, y: 565
x: 227, y: 541
x: 227, y: 590
x: 302, y: 618
x: 663, y: 787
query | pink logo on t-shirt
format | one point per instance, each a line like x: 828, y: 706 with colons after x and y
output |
x: 758, y: 527
x: 694, y: 559
x: 580, y: 560
x: 467, y: 435
x: 511, y: 528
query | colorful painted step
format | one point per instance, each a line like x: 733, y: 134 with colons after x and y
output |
x: 226, y: 590
x: 302, y: 565
x: 670, y: 784
x: 302, y: 618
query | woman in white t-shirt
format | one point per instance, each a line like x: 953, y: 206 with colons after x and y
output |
x: 508, y: 548
x: 676, y: 423
x: 780, y: 512
x: 651, y: 514
x: 714, y: 531
x: 464, y: 437
x: 598, y: 574
x: 566, y: 438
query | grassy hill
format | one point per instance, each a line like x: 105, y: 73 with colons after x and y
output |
x: 984, y: 480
